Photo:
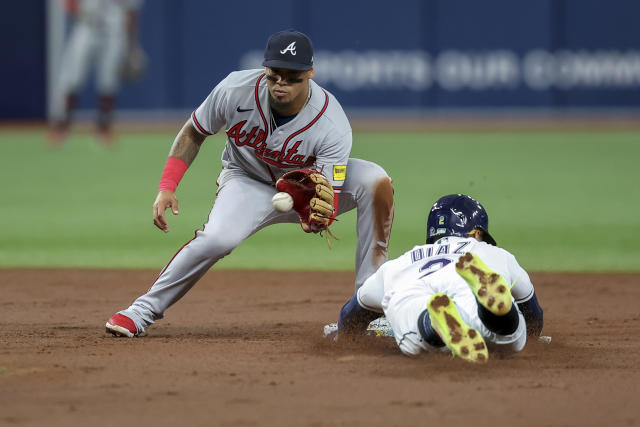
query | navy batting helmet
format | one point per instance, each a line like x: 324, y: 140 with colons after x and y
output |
x: 457, y: 215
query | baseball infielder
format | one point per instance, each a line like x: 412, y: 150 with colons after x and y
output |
x: 277, y: 120
x: 458, y: 292
x: 104, y: 32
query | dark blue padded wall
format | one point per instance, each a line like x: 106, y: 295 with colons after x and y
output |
x: 410, y: 54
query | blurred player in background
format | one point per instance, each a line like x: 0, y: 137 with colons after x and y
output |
x: 105, y: 35
x: 458, y: 292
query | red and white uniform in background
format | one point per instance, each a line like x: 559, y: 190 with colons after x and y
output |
x: 98, y: 37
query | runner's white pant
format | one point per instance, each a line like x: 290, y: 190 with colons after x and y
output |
x: 403, y: 302
x: 242, y: 207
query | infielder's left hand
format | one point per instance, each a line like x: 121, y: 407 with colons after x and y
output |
x: 165, y: 199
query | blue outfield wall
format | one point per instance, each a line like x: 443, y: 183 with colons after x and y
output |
x: 22, y: 59
x: 409, y: 54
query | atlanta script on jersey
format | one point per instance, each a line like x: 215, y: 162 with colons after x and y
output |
x: 319, y: 136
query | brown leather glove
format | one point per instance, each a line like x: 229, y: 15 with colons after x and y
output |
x: 312, y: 197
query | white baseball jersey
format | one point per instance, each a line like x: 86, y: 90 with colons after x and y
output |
x: 319, y: 135
x: 402, y: 287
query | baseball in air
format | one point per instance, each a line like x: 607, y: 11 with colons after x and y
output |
x: 282, y: 202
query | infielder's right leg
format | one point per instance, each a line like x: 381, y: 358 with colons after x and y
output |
x: 241, y: 207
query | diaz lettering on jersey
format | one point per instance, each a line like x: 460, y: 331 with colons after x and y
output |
x: 255, y: 139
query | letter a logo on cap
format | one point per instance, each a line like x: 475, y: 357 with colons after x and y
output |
x: 291, y: 48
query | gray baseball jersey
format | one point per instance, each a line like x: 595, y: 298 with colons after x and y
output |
x: 256, y: 154
x: 319, y: 135
x: 401, y: 288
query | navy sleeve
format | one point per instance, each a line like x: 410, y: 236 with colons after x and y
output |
x: 353, y: 318
x: 533, y: 315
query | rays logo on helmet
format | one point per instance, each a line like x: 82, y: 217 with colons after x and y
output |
x: 291, y: 48
x: 457, y: 215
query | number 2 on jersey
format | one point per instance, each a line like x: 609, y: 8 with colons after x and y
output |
x: 433, y: 265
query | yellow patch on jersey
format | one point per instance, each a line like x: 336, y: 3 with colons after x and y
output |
x: 339, y: 172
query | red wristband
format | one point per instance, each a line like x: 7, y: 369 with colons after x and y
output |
x: 173, y: 172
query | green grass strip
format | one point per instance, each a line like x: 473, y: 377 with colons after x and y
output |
x: 558, y: 201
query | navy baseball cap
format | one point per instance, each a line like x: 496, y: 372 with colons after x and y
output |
x: 289, y: 49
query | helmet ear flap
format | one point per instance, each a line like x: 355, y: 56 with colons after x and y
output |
x: 484, y: 236
x: 487, y: 238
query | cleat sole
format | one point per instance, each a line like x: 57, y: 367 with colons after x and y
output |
x: 489, y: 287
x: 118, y: 331
x: 463, y: 341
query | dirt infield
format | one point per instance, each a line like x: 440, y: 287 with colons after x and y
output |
x: 245, y: 349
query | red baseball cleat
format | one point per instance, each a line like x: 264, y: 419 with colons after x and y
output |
x: 121, y: 326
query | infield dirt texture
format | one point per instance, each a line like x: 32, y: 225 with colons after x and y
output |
x: 245, y: 349
x: 245, y: 346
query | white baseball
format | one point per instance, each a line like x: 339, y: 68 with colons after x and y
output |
x: 282, y: 202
